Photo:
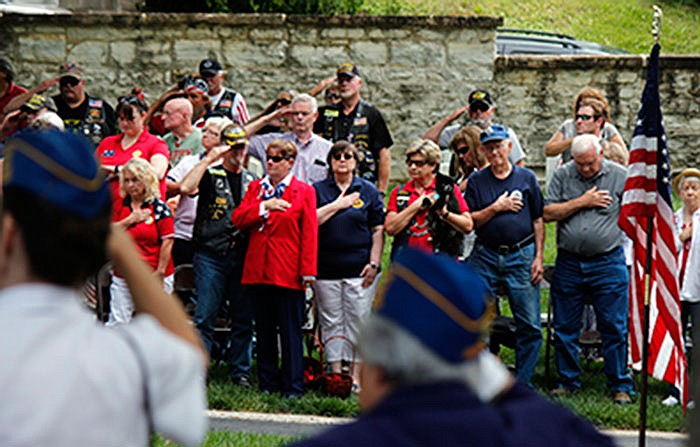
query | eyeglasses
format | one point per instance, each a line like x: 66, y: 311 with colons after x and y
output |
x: 345, y: 156
x: 479, y: 107
x: 277, y: 158
x: 69, y: 81
x: 418, y: 163
x: 462, y: 150
x: 583, y: 117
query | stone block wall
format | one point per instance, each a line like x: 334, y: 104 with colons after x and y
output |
x: 415, y: 70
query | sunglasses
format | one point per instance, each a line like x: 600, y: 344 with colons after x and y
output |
x: 584, y: 117
x: 69, y: 81
x: 418, y: 163
x: 345, y: 156
x: 479, y: 107
x: 462, y: 150
x: 277, y: 158
x: 128, y: 99
x: 332, y: 96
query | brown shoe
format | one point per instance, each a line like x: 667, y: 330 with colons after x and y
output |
x: 622, y: 398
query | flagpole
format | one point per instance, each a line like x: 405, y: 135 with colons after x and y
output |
x: 643, y: 392
x: 656, y: 32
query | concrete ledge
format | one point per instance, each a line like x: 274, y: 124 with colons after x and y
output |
x: 94, y: 18
x: 625, y: 62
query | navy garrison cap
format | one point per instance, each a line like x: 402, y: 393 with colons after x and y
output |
x: 441, y: 302
x: 58, y: 167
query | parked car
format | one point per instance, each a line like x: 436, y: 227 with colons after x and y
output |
x: 517, y: 41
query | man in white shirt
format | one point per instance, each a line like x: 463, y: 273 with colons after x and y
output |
x: 69, y: 380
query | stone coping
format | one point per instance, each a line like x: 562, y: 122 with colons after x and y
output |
x: 621, y: 61
x: 95, y: 18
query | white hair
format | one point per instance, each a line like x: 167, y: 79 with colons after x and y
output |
x: 583, y: 143
x: 407, y: 361
x: 308, y: 99
x: 48, y: 120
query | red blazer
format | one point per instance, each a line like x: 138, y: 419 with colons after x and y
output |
x: 287, y: 246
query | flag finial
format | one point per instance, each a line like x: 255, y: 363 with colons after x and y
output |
x: 656, y: 23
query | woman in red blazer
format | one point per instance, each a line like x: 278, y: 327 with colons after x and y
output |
x: 279, y: 213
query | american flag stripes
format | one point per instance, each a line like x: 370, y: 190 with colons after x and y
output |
x: 648, y: 196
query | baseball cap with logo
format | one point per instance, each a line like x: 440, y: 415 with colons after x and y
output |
x: 209, y: 68
x: 482, y: 96
x: 495, y: 132
x: 72, y: 70
x: 233, y: 135
x: 38, y: 102
x: 348, y: 69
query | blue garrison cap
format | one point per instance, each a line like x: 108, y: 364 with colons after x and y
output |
x: 495, y: 132
x: 441, y: 302
x: 58, y: 167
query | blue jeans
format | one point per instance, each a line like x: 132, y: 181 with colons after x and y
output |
x: 513, y: 270
x: 606, y: 279
x: 218, y: 278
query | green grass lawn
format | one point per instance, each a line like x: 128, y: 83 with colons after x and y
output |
x: 625, y: 24
x: 235, y: 439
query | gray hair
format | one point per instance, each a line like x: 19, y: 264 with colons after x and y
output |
x: 583, y: 143
x: 407, y: 361
x: 307, y: 99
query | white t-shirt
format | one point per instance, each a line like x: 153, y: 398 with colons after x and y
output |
x: 187, y: 207
x: 67, y: 380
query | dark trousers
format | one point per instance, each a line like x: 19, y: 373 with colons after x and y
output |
x: 183, y: 251
x: 279, y: 311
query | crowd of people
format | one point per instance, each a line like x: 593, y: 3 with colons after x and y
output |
x: 270, y: 208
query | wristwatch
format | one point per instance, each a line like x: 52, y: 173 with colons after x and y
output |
x: 374, y: 265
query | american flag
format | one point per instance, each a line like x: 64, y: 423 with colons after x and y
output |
x: 648, y: 196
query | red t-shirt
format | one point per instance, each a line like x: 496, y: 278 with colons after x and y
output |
x: 14, y: 90
x: 149, y: 235
x: 420, y: 236
x: 110, y: 153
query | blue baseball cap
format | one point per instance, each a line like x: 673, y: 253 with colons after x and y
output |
x: 58, y: 167
x: 495, y: 132
x: 441, y: 302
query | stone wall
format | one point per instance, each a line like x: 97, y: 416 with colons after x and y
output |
x: 415, y: 69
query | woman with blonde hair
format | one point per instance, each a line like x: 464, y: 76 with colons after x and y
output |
x: 149, y: 222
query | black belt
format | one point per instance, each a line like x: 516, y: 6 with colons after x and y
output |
x: 505, y: 249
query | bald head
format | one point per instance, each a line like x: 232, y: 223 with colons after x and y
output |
x: 177, y: 116
x: 181, y: 105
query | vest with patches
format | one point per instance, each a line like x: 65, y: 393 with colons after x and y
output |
x: 93, y: 126
x: 358, y: 134
x: 213, y: 229
x: 225, y: 105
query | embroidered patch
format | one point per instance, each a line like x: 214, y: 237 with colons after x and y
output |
x: 358, y: 203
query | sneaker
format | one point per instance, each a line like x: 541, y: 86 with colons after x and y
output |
x: 622, y: 398
x: 670, y: 401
